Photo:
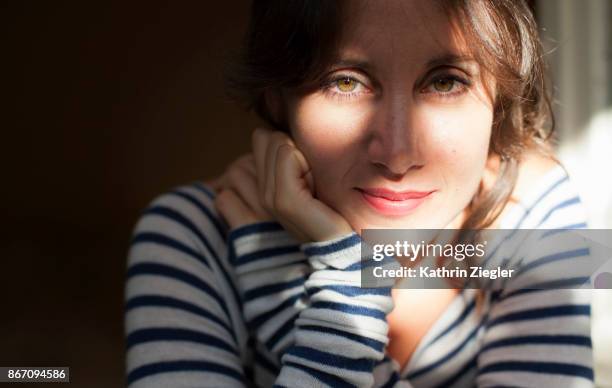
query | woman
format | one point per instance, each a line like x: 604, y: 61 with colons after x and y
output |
x: 382, y: 114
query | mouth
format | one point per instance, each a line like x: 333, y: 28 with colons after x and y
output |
x: 393, y: 203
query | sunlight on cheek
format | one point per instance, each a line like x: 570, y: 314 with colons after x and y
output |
x: 467, y: 133
x: 326, y: 126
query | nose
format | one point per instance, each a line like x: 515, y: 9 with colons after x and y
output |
x: 394, y: 145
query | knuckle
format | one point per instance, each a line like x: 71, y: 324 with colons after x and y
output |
x: 259, y: 136
x: 221, y: 200
x: 282, y: 204
x: 244, y: 160
x: 281, y: 138
x: 284, y: 151
x: 268, y: 201
x: 224, y: 196
x: 234, y: 175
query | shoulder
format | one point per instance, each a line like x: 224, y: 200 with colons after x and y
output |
x: 545, y: 196
x: 532, y: 169
x: 183, y: 219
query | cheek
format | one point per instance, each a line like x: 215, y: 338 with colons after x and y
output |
x: 458, y: 143
x: 328, y: 136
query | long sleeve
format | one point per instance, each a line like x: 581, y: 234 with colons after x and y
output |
x: 271, y: 271
x: 183, y: 323
x: 538, y: 330
x: 340, y: 315
x: 196, y: 293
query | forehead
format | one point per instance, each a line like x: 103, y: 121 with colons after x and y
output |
x: 401, y: 32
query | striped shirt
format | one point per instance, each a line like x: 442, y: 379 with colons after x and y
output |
x: 252, y: 307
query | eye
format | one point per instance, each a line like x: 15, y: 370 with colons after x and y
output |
x: 444, y: 85
x: 346, y: 84
x: 447, y: 85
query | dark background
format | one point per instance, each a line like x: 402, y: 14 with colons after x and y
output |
x: 105, y: 106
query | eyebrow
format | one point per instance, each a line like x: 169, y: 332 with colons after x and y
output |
x: 362, y: 64
x: 449, y: 58
x: 440, y: 60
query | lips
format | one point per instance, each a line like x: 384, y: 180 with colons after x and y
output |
x: 393, y: 203
x: 395, y: 195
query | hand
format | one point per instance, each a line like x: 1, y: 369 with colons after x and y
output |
x: 237, y: 198
x: 286, y: 189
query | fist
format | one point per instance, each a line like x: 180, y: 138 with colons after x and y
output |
x: 287, y: 192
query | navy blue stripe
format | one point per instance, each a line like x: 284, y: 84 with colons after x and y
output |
x: 332, y: 359
x: 539, y: 367
x: 566, y: 203
x: 323, y: 377
x: 466, y: 311
x: 204, y: 189
x: 349, y: 309
x: 282, y: 331
x: 164, y: 301
x: 270, y: 289
x: 543, y: 313
x: 181, y: 219
x: 465, y: 368
x: 182, y: 366
x: 177, y: 217
x: 260, y: 319
x: 177, y: 274
x: 576, y: 340
x: 551, y: 259
x: 569, y: 283
x: 518, y: 225
x: 394, y: 378
x: 173, y: 334
x: 161, y: 239
x: 501, y: 386
x: 265, y: 254
x: 221, y: 229
x: 490, y: 254
x: 540, y: 198
x: 346, y: 242
x: 550, y: 232
x: 256, y: 228
x: 372, y: 343
x: 266, y: 364
x: 350, y: 290
x: 447, y: 356
x: 361, y: 265
x: 369, y: 262
x: 201, y: 187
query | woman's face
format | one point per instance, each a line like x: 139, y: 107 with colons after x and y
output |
x: 398, y: 135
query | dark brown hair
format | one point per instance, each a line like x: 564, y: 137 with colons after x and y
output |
x: 289, y: 43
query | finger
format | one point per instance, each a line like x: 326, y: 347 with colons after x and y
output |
x: 316, y: 220
x: 215, y: 184
x: 244, y: 183
x: 289, y: 170
x: 269, y: 174
x: 222, y: 182
x: 248, y: 163
x: 254, y: 195
x: 277, y: 140
x: 233, y: 209
x: 260, y: 145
